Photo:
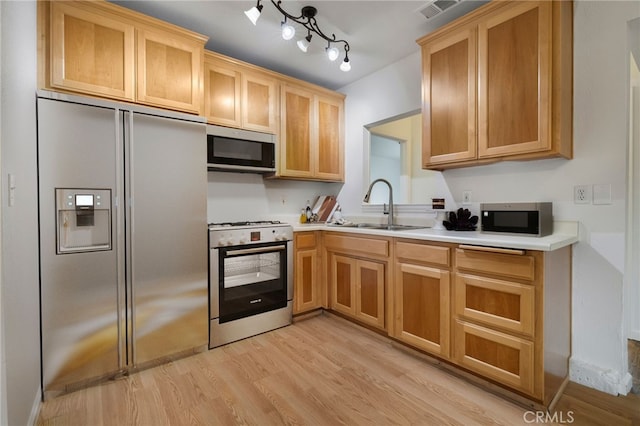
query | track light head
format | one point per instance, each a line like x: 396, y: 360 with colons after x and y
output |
x: 254, y: 13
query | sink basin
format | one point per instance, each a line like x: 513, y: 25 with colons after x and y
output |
x: 383, y: 226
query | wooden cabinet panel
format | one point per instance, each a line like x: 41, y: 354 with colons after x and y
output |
x: 91, y: 52
x: 222, y: 95
x: 330, y: 149
x: 169, y: 70
x: 497, y: 303
x: 520, y: 266
x: 349, y: 244
x: 298, y: 111
x: 500, y: 356
x: 422, y: 313
x: 259, y: 106
x: 307, y: 286
x: 449, y: 108
x: 423, y: 253
x: 343, y: 284
x: 370, y: 293
x: 514, y: 80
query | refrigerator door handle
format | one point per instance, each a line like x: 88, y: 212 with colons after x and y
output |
x: 129, y: 185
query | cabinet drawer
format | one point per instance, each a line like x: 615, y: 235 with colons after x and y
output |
x: 423, y: 253
x: 499, y: 356
x: 304, y: 240
x: 366, y: 246
x: 497, y: 303
x: 509, y: 263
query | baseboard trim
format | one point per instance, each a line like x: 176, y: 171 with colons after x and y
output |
x: 605, y: 380
x: 35, y: 408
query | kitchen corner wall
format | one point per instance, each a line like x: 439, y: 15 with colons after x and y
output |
x: 601, y: 67
x: 20, y: 294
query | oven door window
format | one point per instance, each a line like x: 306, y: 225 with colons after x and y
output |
x: 253, y: 280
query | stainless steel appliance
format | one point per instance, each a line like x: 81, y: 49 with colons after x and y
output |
x: 122, y: 205
x: 251, y: 279
x: 235, y: 150
x: 534, y: 219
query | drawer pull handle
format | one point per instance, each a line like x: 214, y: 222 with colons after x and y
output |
x: 492, y: 249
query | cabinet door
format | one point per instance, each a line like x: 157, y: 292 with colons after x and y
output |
x: 370, y: 292
x: 330, y: 144
x: 449, y: 108
x: 514, y: 71
x: 422, y: 307
x: 297, y: 133
x: 505, y: 358
x: 91, y: 52
x: 306, y: 285
x: 496, y: 303
x: 222, y: 95
x: 259, y: 111
x: 169, y: 68
x: 343, y: 284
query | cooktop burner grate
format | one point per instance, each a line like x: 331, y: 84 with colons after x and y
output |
x: 245, y: 223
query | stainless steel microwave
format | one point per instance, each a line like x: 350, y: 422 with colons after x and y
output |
x: 236, y: 150
x: 533, y: 219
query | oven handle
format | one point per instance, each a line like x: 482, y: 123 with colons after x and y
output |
x: 255, y: 250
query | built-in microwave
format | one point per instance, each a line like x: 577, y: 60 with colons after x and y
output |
x: 236, y: 150
x: 534, y: 219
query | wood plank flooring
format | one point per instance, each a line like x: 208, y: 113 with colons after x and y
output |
x: 320, y: 371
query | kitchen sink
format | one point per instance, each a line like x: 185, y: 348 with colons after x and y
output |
x: 382, y: 226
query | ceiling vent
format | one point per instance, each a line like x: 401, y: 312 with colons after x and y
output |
x: 436, y: 7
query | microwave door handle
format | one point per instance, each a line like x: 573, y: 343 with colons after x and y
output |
x: 255, y: 250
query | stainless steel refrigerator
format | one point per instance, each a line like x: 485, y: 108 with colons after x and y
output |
x: 123, y: 246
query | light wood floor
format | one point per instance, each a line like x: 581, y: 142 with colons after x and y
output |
x: 320, y: 371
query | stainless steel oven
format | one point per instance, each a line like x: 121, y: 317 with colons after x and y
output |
x: 250, y: 279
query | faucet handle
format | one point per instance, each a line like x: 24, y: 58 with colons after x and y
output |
x: 385, y: 209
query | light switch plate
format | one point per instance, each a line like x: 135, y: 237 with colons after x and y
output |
x: 602, y: 194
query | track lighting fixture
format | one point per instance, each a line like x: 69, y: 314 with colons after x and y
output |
x: 288, y: 30
x: 254, y: 13
x: 303, y: 44
x: 307, y: 20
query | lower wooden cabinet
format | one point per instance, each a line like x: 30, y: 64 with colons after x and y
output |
x: 357, y: 276
x: 499, y: 356
x: 497, y: 303
x: 307, y: 287
x: 422, y: 297
x: 499, y: 314
x: 357, y: 289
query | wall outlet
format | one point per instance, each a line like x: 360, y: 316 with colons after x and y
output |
x: 582, y: 194
x: 466, y: 198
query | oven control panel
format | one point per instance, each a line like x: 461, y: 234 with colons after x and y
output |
x: 234, y: 236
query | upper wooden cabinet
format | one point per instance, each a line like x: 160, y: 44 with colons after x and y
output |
x: 240, y: 96
x: 91, y: 52
x: 169, y: 70
x: 311, y: 134
x: 497, y: 84
x: 102, y: 49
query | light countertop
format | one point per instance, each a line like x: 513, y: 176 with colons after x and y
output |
x: 565, y: 233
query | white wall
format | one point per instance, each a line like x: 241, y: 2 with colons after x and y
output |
x: 244, y: 196
x: 20, y: 305
x: 600, y: 143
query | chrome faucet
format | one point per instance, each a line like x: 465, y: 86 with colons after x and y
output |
x: 368, y: 195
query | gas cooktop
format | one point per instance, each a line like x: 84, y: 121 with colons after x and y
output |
x: 245, y: 223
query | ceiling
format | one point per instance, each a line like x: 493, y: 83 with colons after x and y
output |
x: 379, y: 32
